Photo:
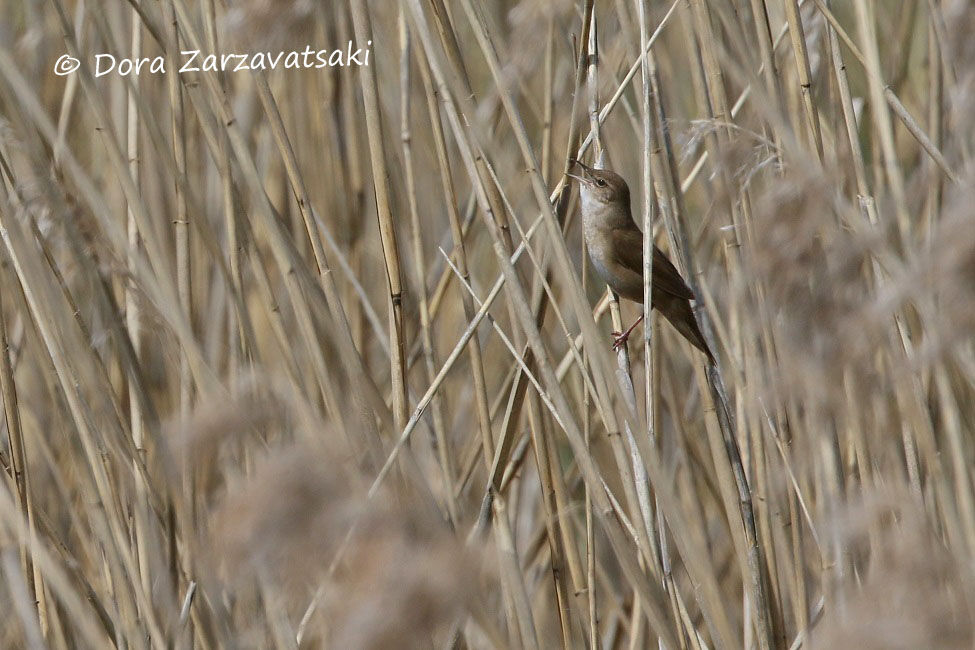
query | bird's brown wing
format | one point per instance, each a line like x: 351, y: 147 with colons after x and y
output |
x: 628, y: 248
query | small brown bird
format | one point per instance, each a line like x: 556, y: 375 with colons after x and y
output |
x: 615, y: 245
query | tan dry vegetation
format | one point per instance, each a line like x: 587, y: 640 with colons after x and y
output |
x: 308, y: 358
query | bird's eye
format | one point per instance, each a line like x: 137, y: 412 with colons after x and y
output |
x: 600, y: 182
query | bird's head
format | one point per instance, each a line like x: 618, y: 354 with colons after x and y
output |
x: 600, y: 188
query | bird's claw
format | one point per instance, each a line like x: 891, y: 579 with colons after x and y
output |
x: 619, y: 340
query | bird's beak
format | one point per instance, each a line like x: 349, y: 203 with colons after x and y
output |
x: 586, y: 172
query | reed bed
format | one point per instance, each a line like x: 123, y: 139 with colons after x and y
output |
x: 311, y: 356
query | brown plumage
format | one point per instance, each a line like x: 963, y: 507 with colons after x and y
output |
x: 615, y: 246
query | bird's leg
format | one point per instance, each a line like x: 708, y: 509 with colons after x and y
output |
x: 620, y: 339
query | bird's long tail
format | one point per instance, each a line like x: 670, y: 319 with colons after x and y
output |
x: 681, y: 316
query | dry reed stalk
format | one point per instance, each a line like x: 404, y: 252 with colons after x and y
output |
x: 181, y: 224
x: 18, y: 472
x: 444, y: 454
x: 752, y: 553
x: 804, y: 76
x: 363, y: 31
x: 133, y: 321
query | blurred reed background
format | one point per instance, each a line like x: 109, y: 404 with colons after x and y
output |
x: 307, y: 358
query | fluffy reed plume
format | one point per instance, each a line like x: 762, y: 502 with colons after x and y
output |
x: 912, y: 592
x: 283, y: 527
x: 403, y: 578
x: 816, y: 271
x: 313, y: 358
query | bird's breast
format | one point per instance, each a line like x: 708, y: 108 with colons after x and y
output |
x: 598, y: 221
x: 597, y: 243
